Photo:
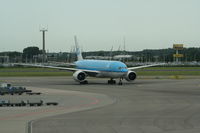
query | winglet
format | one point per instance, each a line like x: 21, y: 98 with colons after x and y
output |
x: 78, y: 51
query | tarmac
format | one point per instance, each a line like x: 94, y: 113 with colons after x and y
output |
x: 19, y: 119
x: 142, y: 106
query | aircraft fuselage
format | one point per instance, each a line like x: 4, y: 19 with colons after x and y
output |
x: 110, y: 69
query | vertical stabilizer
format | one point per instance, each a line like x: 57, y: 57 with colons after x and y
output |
x: 78, y: 51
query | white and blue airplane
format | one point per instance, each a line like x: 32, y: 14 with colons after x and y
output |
x: 98, y: 68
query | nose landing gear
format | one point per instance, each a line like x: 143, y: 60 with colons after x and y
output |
x: 120, y: 81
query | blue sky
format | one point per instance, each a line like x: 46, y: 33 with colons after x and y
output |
x: 99, y: 24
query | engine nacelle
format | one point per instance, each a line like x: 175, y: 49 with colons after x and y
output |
x: 130, y: 76
x: 79, y: 76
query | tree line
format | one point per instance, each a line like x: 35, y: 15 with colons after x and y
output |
x: 153, y: 55
x: 147, y: 55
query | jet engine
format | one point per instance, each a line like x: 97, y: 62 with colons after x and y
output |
x: 130, y: 76
x: 79, y: 76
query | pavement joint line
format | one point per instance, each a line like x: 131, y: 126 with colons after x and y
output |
x: 30, y: 129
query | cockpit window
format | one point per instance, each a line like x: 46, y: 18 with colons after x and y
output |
x: 122, y: 68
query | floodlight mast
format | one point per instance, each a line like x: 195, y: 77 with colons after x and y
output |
x: 43, y: 30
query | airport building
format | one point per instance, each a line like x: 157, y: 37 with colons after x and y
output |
x: 4, y: 59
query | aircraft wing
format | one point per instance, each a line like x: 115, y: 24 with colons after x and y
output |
x: 60, y: 68
x: 138, y: 67
x: 62, y: 63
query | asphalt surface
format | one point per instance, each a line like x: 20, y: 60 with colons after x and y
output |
x: 144, y: 106
x: 19, y: 119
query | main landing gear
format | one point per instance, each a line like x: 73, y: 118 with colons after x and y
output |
x: 84, y: 82
x: 111, y: 81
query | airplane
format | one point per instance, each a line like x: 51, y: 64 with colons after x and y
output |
x: 97, y: 68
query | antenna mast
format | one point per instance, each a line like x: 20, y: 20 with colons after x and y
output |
x: 124, y: 52
x: 124, y: 43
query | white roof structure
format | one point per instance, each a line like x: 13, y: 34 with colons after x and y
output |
x: 122, y: 56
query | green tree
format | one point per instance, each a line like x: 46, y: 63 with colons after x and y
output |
x: 29, y: 52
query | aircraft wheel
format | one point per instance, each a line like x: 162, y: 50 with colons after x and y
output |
x: 120, y: 83
x: 111, y: 82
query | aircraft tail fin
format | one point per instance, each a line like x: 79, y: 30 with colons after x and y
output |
x: 78, y: 51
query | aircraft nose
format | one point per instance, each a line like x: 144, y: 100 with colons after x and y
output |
x: 125, y: 70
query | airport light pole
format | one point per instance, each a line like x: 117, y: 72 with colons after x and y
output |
x: 43, y: 30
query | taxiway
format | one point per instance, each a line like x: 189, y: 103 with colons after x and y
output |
x: 144, y: 106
